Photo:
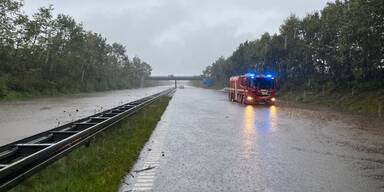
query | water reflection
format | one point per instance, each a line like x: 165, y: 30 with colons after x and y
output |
x: 248, y: 129
x: 249, y: 118
x: 273, y: 117
x: 258, y: 121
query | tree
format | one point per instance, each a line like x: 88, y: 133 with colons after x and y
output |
x: 340, y: 46
x: 45, y: 54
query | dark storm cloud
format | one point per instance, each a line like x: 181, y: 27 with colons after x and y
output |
x: 180, y: 36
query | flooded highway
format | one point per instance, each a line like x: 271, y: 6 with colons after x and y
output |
x: 20, y: 119
x: 206, y: 143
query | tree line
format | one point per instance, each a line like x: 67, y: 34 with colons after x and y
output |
x: 338, y: 47
x: 45, y: 54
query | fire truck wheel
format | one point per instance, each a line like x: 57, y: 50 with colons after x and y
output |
x: 231, y: 97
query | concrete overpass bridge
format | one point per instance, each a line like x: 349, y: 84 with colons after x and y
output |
x: 174, y: 78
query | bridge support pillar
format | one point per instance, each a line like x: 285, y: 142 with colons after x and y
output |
x: 175, y: 83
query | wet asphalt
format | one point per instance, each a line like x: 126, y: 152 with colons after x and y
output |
x: 211, y: 144
x: 20, y: 119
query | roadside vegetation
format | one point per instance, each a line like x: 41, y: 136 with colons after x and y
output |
x: 369, y: 103
x: 47, y: 54
x: 338, y: 51
x: 102, y: 165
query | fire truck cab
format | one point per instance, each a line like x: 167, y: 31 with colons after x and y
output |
x: 253, y: 89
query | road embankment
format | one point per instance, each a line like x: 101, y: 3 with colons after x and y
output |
x: 101, y: 165
x: 367, y: 103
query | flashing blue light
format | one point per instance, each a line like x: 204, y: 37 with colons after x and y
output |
x: 269, y: 76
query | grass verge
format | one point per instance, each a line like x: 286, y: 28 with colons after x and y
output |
x: 367, y: 103
x: 101, y: 166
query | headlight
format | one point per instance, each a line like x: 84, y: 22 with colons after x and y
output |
x: 273, y: 99
x: 249, y: 98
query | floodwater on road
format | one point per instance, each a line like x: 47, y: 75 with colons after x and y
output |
x: 210, y: 144
x: 20, y: 119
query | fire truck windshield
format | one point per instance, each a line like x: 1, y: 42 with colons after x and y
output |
x: 262, y: 83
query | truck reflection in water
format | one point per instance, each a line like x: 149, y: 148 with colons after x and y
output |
x: 255, y: 126
x: 273, y: 117
x: 248, y: 130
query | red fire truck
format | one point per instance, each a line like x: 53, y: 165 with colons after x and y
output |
x: 253, y: 89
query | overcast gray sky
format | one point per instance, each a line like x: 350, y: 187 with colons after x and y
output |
x: 180, y: 36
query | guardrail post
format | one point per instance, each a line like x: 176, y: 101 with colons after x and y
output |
x: 88, y: 143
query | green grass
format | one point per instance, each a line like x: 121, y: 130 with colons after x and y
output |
x: 14, y: 96
x: 102, y: 165
x: 22, y: 96
x: 364, y: 103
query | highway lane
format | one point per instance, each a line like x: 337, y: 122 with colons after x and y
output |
x: 20, y: 119
x: 206, y: 143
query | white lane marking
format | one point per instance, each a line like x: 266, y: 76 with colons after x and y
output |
x: 145, y: 177
x: 149, y: 173
x: 152, y: 173
x: 153, y: 157
x: 144, y: 180
x: 143, y: 184
x: 155, y: 161
x: 150, y: 165
x: 151, y: 161
x: 142, y: 189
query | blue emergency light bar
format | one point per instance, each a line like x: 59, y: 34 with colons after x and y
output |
x: 252, y: 75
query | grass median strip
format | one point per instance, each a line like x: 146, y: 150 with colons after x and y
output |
x: 101, y: 166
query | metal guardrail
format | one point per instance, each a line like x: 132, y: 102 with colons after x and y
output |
x: 25, y: 157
